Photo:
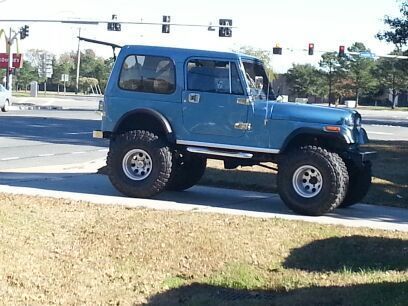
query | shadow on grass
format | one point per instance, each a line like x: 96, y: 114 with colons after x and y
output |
x: 386, y: 293
x: 339, y: 254
x: 354, y: 254
x: 240, y: 179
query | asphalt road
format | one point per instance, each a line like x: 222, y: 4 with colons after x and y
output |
x: 31, y: 138
x: 39, y: 138
x: 43, y: 152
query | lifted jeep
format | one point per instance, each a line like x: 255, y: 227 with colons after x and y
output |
x: 167, y: 110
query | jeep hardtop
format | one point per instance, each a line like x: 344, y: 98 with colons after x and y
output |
x: 166, y: 110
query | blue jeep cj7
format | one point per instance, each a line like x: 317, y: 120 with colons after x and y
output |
x: 167, y: 110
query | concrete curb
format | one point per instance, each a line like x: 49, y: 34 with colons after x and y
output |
x: 33, y: 107
x: 80, y: 182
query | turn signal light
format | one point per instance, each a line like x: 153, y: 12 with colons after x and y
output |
x: 330, y: 128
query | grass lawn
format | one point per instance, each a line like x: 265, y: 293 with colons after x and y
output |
x: 72, y: 253
x: 390, y: 171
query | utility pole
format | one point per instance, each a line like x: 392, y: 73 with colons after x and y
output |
x: 9, y: 76
x: 78, y: 62
x: 330, y: 81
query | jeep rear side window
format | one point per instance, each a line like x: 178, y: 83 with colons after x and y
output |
x: 152, y: 74
x: 213, y: 76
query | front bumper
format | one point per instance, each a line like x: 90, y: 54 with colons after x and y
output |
x: 362, y: 136
x: 101, y: 134
x: 361, y: 158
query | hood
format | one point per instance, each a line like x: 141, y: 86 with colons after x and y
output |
x: 310, y: 113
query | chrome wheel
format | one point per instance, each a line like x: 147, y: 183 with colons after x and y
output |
x: 137, y: 164
x: 307, y: 181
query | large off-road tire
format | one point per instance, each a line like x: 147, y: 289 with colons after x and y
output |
x: 359, y: 183
x: 312, y: 181
x: 187, y: 171
x: 139, y: 164
x: 5, y: 108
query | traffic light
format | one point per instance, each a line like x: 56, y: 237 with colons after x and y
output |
x: 114, y: 26
x: 225, y: 31
x: 24, y: 31
x: 277, y: 50
x: 341, y: 51
x: 166, y: 25
x: 311, y: 48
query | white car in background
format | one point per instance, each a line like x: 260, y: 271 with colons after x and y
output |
x: 5, y: 98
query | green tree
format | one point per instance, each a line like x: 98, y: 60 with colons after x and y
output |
x: 95, y: 67
x: 263, y: 55
x: 25, y: 75
x: 306, y: 80
x: 398, y: 28
x: 65, y: 64
x: 334, y: 70
x: 392, y: 75
x: 360, y: 72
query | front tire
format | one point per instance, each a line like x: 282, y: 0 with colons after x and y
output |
x: 139, y: 164
x: 360, y: 182
x: 312, y: 181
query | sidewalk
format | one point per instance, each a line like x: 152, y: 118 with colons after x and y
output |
x: 62, y: 102
x: 80, y: 182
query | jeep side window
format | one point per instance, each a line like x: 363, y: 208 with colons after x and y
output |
x: 151, y: 74
x: 213, y: 76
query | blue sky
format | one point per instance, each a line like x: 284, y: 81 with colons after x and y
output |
x: 261, y: 24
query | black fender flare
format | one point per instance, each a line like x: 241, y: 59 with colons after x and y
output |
x: 314, y: 132
x: 148, y: 111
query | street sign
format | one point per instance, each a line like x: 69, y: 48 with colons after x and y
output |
x: 64, y: 77
x: 17, y: 60
x: 367, y: 54
x: 45, y: 66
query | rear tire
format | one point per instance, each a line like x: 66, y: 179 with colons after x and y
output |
x: 360, y: 182
x: 139, y: 164
x: 187, y: 171
x: 312, y: 181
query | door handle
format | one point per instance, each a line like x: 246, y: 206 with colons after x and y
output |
x: 194, y: 98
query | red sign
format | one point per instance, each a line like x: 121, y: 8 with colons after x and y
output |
x: 17, y: 60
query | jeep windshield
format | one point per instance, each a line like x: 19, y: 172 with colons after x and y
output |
x: 252, y: 70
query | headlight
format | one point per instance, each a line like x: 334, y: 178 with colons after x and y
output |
x: 349, y: 120
x: 353, y: 120
x: 357, y: 120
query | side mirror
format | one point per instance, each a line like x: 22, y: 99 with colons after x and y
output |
x: 259, y: 82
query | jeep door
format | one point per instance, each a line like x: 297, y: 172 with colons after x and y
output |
x: 214, y: 99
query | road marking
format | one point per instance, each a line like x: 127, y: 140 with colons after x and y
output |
x: 9, y: 158
x: 79, y: 152
x: 103, y: 150
x: 380, y: 133
x: 45, y: 155
x: 78, y: 133
x: 37, y: 126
